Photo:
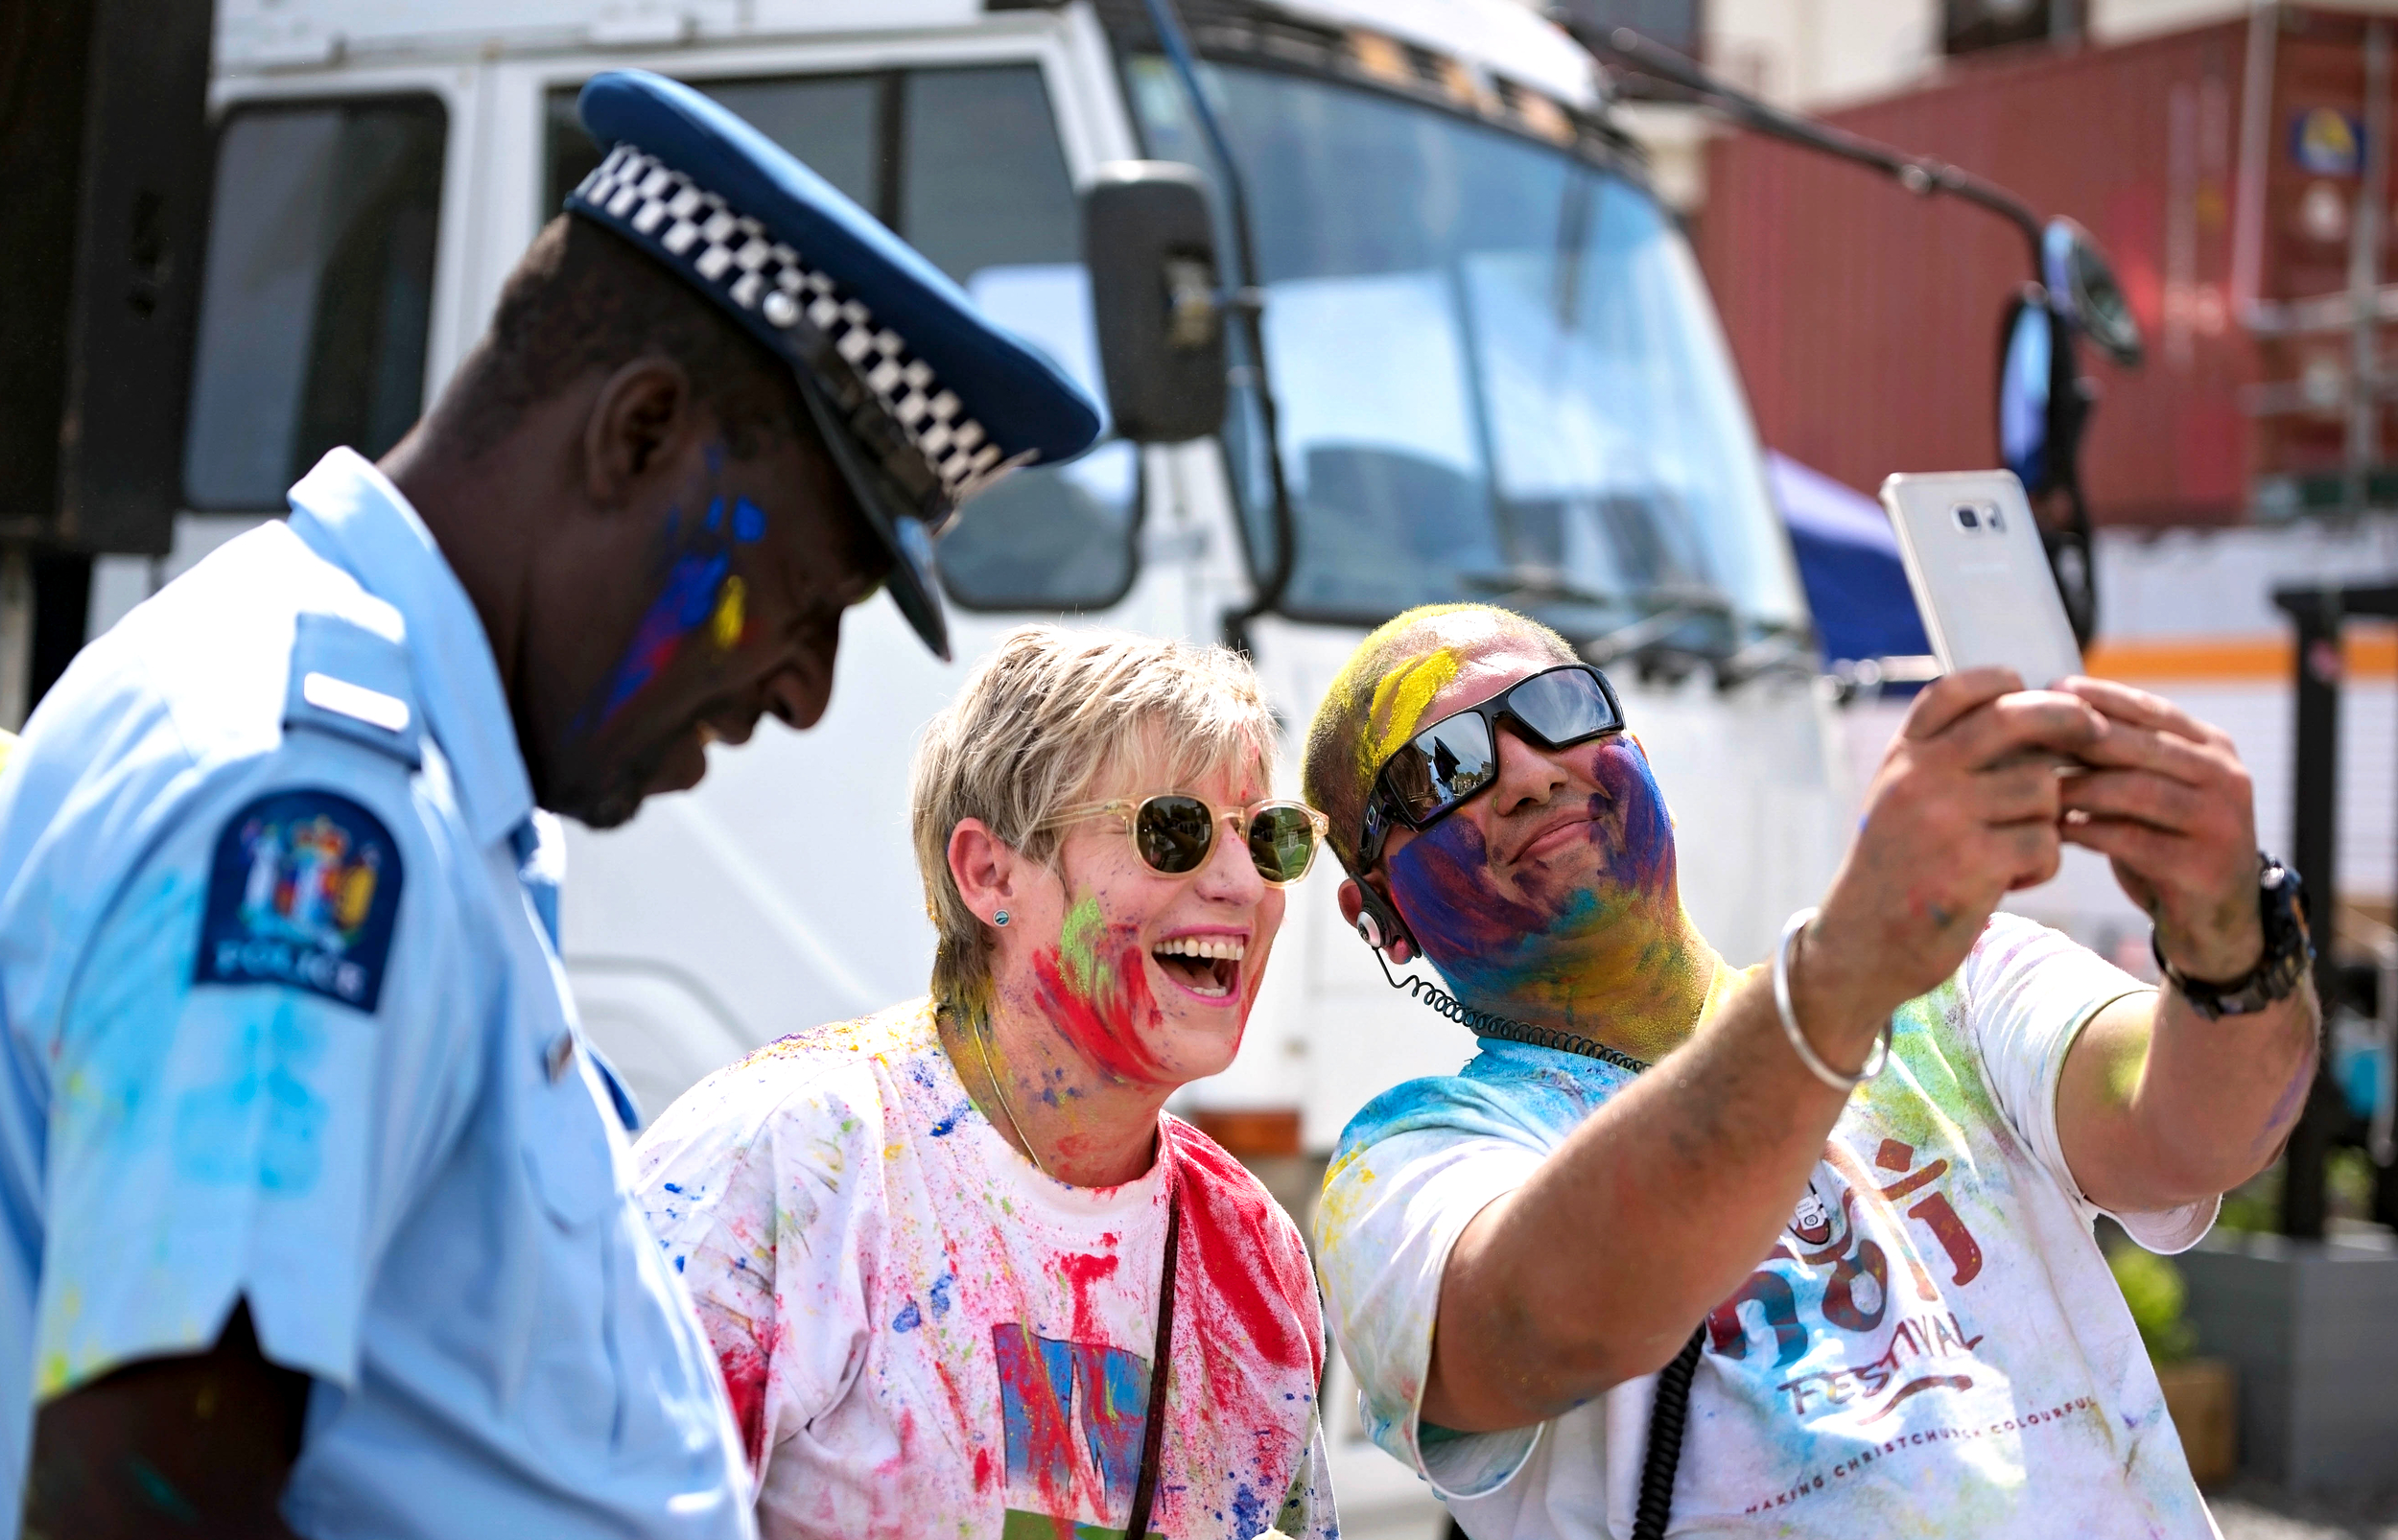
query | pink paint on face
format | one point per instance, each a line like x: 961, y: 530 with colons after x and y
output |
x: 1105, y: 1008
x: 1118, y: 984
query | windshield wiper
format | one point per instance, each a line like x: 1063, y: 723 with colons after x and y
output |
x: 1651, y: 633
x: 1540, y: 585
x: 1663, y: 610
x: 1787, y: 650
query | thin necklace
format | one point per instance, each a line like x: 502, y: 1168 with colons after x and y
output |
x: 982, y: 1043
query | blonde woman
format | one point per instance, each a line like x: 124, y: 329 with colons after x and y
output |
x: 950, y: 1255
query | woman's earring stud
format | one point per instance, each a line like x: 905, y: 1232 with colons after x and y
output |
x: 999, y: 918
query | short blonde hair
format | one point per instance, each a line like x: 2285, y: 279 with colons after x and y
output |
x: 1041, y: 719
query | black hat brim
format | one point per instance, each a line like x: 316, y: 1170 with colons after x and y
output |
x: 898, y: 519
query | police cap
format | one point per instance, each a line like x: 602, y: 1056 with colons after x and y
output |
x: 919, y: 400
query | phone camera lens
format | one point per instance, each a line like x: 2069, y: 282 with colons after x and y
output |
x: 1997, y: 519
x: 1966, y: 518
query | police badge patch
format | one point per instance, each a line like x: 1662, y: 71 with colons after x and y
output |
x: 303, y: 892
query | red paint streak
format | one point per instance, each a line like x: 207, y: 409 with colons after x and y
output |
x: 1245, y: 1254
x: 1247, y: 1332
x: 1108, y: 1026
x: 1081, y: 1273
x: 957, y: 1399
x: 983, y: 1471
x: 744, y: 1367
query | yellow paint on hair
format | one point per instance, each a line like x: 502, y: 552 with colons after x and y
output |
x: 1399, y: 701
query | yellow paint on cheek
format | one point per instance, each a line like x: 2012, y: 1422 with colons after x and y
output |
x: 724, y: 628
x: 1399, y: 705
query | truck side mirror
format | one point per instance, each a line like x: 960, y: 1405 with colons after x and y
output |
x: 1149, y: 241
x: 2028, y: 348
x: 2080, y: 276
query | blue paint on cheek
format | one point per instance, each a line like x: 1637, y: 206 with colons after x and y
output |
x: 1478, y: 933
x: 1628, y: 815
x: 1440, y: 882
x: 695, y: 583
x: 682, y: 606
x: 716, y: 514
x: 749, y: 522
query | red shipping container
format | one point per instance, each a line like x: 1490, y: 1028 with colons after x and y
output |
x: 1865, y: 320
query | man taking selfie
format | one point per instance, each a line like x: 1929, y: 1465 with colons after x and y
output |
x: 1850, y: 1214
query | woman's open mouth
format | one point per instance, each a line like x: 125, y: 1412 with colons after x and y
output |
x: 1206, y: 965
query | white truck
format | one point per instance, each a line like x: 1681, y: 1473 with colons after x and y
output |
x: 1497, y: 371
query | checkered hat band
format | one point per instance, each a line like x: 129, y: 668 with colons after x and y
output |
x: 735, y: 256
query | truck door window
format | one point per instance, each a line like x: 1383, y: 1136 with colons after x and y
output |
x: 831, y: 122
x: 317, y: 292
x: 964, y: 163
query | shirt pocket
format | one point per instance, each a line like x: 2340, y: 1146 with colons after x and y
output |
x: 570, y: 1399
x: 568, y: 1156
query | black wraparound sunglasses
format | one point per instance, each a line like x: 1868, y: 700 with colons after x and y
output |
x: 1456, y: 758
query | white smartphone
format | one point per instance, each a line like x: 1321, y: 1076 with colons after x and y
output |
x: 1980, y: 575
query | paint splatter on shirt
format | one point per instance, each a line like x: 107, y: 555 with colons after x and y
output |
x: 923, y: 1335
x: 1936, y: 1345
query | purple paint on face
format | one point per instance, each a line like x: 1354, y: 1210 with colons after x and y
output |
x: 681, y: 607
x: 698, y: 559
x: 1518, y: 931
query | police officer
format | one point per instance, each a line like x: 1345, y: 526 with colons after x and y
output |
x: 312, y: 1205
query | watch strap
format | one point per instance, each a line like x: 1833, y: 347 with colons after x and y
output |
x: 2288, y: 951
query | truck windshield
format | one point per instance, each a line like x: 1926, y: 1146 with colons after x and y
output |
x: 1499, y: 374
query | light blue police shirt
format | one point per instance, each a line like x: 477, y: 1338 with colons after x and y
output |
x: 283, y: 1024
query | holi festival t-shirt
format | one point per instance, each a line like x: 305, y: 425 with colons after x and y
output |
x: 924, y: 1336
x: 1935, y: 1346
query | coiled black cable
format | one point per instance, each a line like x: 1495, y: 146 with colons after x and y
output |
x: 1484, y: 1024
x: 1669, y: 1415
x: 1667, y: 1418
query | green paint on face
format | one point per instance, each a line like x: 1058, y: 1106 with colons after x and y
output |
x: 1085, y: 971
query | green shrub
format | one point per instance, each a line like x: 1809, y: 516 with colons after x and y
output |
x: 2152, y: 1288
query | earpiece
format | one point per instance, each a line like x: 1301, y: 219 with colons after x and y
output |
x: 1378, y: 924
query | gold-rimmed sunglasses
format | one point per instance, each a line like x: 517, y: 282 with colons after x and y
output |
x: 1175, y: 833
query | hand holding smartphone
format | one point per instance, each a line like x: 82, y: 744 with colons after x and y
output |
x: 1980, y: 575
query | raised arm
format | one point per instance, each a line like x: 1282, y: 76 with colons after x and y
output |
x: 1652, y: 1212
x: 2160, y: 1107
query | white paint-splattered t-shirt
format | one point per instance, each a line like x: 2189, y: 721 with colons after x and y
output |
x: 1934, y: 1347
x: 923, y: 1335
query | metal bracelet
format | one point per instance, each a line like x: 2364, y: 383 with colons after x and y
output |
x: 1807, y: 1055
